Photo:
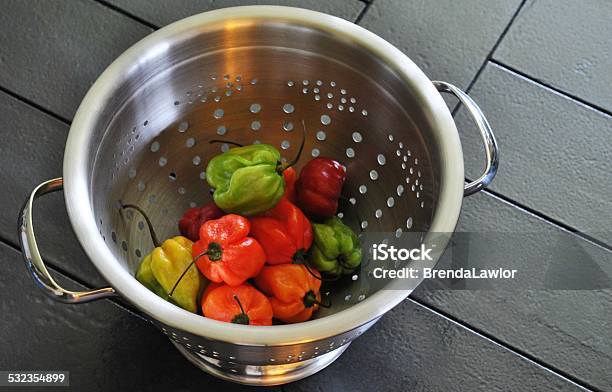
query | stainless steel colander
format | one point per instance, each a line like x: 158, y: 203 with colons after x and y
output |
x: 251, y: 75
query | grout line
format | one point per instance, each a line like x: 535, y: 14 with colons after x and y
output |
x: 365, y: 9
x: 35, y: 105
x: 126, y: 13
x: 127, y: 307
x: 490, y: 54
x: 547, y: 219
x: 551, y: 88
x: 492, y: 339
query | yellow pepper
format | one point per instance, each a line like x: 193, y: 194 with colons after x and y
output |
x: 160, y: 270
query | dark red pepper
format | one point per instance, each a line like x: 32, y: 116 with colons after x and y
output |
x: 319, y: 187
x: 193, y: 218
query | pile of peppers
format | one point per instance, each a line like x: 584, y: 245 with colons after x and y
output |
x: 262, y: 249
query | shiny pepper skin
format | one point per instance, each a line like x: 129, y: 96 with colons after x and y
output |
x: 290, y: 176
x: 247, y: 180
x: 193, y: 218
x: 319, y: 187
x: 225, y: 253
x: 161, y: 269
x: 292, y: 290
x: 284, y: 232
x: 336, y: 249
x: 242, y: 304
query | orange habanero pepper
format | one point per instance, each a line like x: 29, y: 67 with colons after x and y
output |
x: 242, y: 304
x: 292, y: 290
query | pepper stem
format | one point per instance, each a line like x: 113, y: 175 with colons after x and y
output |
x: 154, y: 237
x: 226, y: 141
x: 302, y: 261
x: 342, y: 261
x: 310, y: 299
x: 242, y: 317
x: 185, y: 272
x: 214, y: 251
x: 283, y: 167
x: 299, y: 256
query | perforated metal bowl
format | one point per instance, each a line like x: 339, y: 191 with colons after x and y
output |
x: 250, y: 75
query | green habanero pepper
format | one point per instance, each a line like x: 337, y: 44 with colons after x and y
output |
x: 247, y: 180
x: 336, y: 249
x: 161, y: 269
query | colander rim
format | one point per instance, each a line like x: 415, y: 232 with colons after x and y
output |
x: 77, y: 164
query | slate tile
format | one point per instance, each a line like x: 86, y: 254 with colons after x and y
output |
x: 566, y: 44
x: 51, y: 52
x: 449, y: 40
x: 555, y: 153
x: 104, y: 347
x: 564, y: 321
x: 30, y: 153
x: 161, y: 13
x: 413, y: 349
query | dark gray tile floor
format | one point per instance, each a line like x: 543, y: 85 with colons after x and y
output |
x: 555, y: 163
x: 32, y: 146
x: 465, y: 32
x: 53, y: 51
x: 162, y: 12
x: 561, y: 302
x: 415, y: 350
x: 557, y: 153
x: 572, y: 42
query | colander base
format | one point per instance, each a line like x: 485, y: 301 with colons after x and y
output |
x: 268, y: 375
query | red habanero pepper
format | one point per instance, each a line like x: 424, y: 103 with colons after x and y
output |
x: 290, y: 176
x: 293, y: 291
x: 319, y: 187
x: 242, y: 304
x: 193, y: 218
x: 284, y: 232
x: 225, y: 253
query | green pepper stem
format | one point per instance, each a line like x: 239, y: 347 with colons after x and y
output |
x: 226, y: 141
x: 185, y: 272
x: 310, y: 299
x: 242, y: 317
x: 154, y: 237
x: 214, y: 251
x: 295, y: 160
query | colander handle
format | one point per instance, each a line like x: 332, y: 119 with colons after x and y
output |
x: 34, y: 261
x: 490, y: 144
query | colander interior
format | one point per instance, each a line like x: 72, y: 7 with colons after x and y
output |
x: 247, y: 83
